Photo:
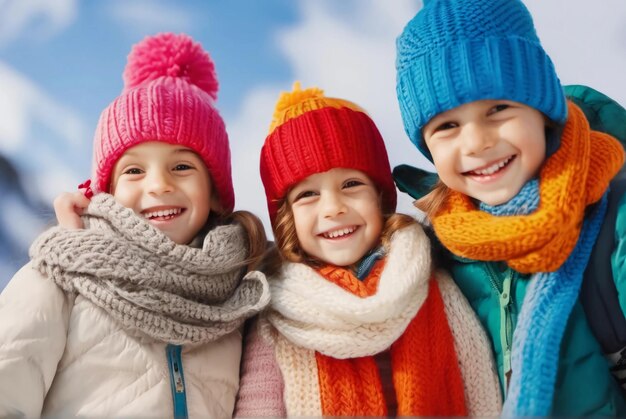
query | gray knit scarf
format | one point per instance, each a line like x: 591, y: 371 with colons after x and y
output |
x: 172, y: 293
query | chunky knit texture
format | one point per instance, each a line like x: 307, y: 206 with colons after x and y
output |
x: 170, y: 88
x: 351, y: 308
x: 170, y: 292
x: 345, y: 325
x: 263, y: 393
x: 480, y: 379
x: 311, y: 133
x: 547, y: 307
x: 261, y: 385
x: 426, y: 378
x: 459, y: 51
x: 574, y: 177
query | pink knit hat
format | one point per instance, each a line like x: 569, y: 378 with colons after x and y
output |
x: 170, y: 88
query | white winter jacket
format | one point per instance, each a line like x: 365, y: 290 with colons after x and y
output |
x: 62, y: 356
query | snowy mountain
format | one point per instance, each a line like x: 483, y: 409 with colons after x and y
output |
x: 22, y: 218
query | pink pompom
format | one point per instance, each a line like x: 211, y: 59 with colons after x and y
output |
x: 168, y: 54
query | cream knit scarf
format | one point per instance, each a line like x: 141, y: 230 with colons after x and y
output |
x: 316, y: 314
x: 170, y: 292
x: 308, y: 313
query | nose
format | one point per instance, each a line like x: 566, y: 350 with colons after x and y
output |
x: 158, y: 182
x: 332, y: 204
x: 476, y: 138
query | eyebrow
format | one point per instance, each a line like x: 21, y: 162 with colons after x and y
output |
x: 180, y: 150
x: 186, y: 150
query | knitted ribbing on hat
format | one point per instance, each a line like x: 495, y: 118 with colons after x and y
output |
x: 134, y: 272
x: 574, y: 177
x: 170, y: 89
x: 311, y: 133
x: 301, y: 367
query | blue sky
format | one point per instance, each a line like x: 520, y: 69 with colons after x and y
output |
x: 61, y: 63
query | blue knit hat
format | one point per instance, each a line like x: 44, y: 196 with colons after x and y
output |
x: 458, y: 51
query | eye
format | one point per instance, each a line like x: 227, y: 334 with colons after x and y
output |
x: 445, y: 126
x: 499, y: 108
x: 183, y: 166
x: 132, y: 171
x: 304, y: 196
x: 352, y: 183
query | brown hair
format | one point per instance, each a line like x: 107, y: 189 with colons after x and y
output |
x: 288, y: 247
x: 434, y: 200
x: 253, y: 227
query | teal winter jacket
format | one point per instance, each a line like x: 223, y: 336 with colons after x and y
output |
x: 584, y: 384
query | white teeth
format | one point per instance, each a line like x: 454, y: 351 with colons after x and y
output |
x: 162, y: 213
x: 491, y: 169
x: 338, y: 233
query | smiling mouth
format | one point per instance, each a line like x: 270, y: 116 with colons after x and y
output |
x: 339, y: 233
x: 492, y: 168
x: 163, y: 215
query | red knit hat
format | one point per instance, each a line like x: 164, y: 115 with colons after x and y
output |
x: 311, y: 133
x: 170, y: 88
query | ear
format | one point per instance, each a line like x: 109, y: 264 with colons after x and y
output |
x: 381, y: 205
x: 216, y: 206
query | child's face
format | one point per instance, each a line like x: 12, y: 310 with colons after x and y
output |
x: 167, y: 184
x: 337, y: 215
x: 487, y: 149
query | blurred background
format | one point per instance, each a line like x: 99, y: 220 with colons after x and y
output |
x: 61, y: 63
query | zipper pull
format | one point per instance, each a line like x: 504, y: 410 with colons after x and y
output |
x: 505, y: 299
x: 505, y: 296
x: 178, y: 379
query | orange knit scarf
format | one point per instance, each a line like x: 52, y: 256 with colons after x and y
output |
x: 574, y: 177
x: 426, y: 374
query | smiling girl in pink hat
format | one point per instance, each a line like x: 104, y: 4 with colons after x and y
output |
x: 139, y: 313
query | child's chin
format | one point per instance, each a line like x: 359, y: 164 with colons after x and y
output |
x: 498, y: 199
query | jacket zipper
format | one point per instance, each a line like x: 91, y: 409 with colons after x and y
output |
x: 506, y: 321
x: 177, y: 380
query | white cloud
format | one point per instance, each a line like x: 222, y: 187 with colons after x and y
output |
x: 247, y: 132
x: 40, y: 135
x: 148, y: 16
x: 586, y: 41
x: 21, y: 102
x: 38, y: 18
